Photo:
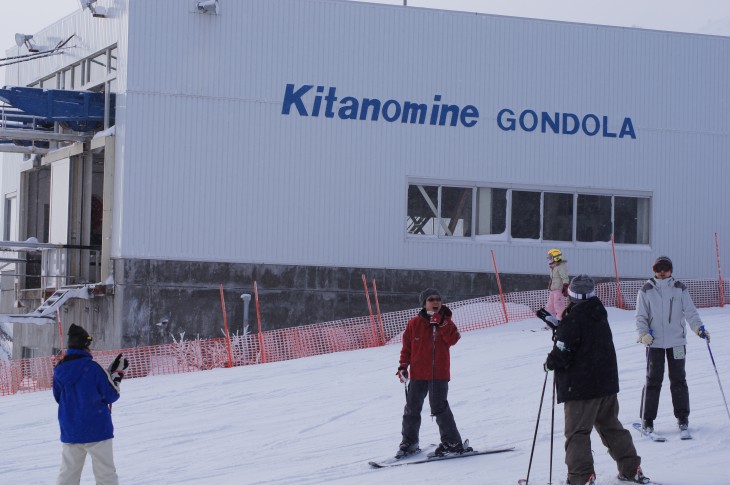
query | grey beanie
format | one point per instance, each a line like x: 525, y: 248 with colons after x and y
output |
x: 428, y: 292
x: 582, y: 287
x: 662, y: 261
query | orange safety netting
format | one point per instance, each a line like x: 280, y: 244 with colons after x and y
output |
x: 29, y: 375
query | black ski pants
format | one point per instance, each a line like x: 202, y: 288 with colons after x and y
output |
x: 438, y: 391
x: 580, y: 419
x: 677, y: 383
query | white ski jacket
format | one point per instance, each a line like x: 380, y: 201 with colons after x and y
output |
x: 664, y: 306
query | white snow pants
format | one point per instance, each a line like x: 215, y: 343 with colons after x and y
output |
x: 73, y: 457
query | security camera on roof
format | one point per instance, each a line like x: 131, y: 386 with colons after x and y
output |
x: 207, y: 6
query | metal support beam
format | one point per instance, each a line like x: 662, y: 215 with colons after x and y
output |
x: 33, y: 135
x: 9, y: 148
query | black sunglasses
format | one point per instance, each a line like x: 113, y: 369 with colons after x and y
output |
x: 659, y: 268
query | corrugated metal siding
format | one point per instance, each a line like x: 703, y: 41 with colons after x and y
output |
x: 211, y: 170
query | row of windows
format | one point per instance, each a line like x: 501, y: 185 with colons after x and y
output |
x: 467, y: 212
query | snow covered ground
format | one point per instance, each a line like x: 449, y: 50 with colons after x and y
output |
x: 321, y: 419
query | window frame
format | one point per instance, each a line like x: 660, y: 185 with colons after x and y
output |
x: 506, y: 236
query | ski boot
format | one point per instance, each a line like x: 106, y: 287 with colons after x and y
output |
x: 452, y: 448
x: 591, y: 481
x: 636, y: 478
x: 406, y: 449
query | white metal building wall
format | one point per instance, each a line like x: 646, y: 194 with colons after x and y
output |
x: 209, y: 169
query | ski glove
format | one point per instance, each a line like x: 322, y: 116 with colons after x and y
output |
x: 565, y: 289
x: 646, y: 339
x: 548, y: 365
x: 702, y: 333
x: 548, y: 318
x: 117, y: 368
x: 402, y: 374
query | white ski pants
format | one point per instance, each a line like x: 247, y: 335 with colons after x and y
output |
x: 73, y: 457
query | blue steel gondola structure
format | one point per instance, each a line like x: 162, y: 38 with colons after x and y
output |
x: 35, y: 110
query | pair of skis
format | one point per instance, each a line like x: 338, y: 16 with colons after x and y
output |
x: 418, y: 457
x: 684, y: 434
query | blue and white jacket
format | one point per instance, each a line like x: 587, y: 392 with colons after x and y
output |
x: 83, y: 391
x: 664, y: 307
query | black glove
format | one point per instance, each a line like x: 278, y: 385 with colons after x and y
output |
x: 402, y: 374
x: 548, y: 318
x: 565, y: 289
x: 548, y: 365
x: 117, y: 368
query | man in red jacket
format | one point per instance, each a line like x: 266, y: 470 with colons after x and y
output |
x: 426, y: 343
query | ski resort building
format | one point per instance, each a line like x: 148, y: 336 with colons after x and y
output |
x: 158, y: 151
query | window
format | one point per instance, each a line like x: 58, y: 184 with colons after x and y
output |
x: 557, y: 218
x: 491, y: 210
x: 631, y: 220
x: 456, y: 211
x: 9, y: 221
x: 442, y: 211
x: 504, y: 214
x: 594, y: 218
x: 29, y: 352
x: 525, y: 214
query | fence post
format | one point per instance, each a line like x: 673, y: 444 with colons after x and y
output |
x: 60, y: 331
x: 225, y: 326
x: 619, y: 300
x: 499, y: 285
x: 370, y: 309
x: 246, y: 302
x: 258, y: 317
x: 719, y: 273
x: 377, y: 308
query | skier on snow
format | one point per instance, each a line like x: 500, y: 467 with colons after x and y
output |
x: 584, y: 360
x: 558, y: 285
x: 663, y: 306
x: 84, y: 391
x: 426, y: 342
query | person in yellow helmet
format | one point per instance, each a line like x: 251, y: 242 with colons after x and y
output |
x: 558, y: 285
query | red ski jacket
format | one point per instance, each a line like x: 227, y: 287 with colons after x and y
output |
x: 423, y: 334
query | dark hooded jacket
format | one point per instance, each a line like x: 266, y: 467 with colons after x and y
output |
x: 83, y: 391
x: 583, y: 357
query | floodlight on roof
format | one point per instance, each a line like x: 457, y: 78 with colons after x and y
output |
x: 208, y: 6
x: 24, y: 40
x: 96, y: 10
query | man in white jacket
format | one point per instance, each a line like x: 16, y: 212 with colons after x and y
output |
x: 663, y: 309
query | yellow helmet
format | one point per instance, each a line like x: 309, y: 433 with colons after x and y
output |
x: 555, y: 255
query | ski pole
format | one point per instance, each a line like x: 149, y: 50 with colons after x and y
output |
x: 552, y: 435
x: 534, y: 438
x: 702, y: 328
x: 646, y: 380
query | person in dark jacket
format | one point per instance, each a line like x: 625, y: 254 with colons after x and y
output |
x: 426, y: 342
x: 584, y: 360
x: 84, y: 391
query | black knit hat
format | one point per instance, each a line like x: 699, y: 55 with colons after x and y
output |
x: 662, y: 262
x: 582, y: 287
x: 78, y: 338
x: 428, y: 292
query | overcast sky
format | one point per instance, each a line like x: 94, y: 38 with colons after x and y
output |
x: 698, y: 16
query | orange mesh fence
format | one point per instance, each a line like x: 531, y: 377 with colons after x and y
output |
x: 29, y: 375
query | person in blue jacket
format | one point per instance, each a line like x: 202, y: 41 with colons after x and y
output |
x: 84, y: 391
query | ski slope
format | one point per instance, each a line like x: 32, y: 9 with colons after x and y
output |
x: 321, y: 419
